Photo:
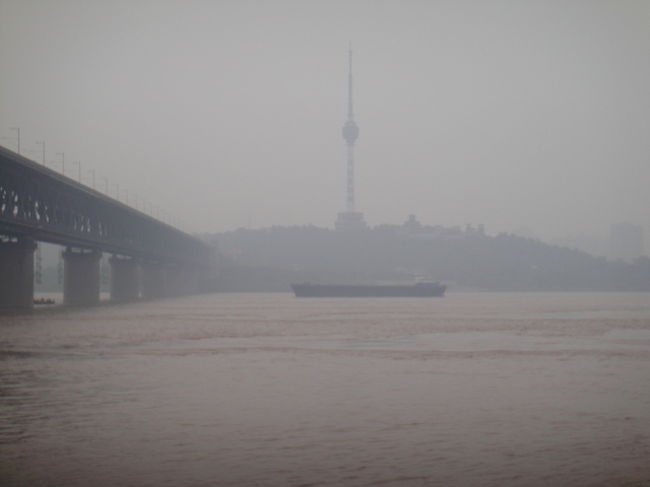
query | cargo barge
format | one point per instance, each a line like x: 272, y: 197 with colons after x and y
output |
x: 419, y: 290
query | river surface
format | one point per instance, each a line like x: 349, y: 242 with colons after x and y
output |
x: 272, y: 390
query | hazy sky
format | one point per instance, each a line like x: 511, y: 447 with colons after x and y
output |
x: 229, y: 113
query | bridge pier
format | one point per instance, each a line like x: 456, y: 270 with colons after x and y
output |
x: 125, y: 279
x: 81, y: 277
x: 190, y: 281
x: 160, y: 280
x: 181, y: 280
x: 173, y: 280
x: 17, y: 273
x: 153, y: 280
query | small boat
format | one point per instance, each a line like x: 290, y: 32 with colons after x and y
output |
x: 44, y: 301
x: 419, y: 290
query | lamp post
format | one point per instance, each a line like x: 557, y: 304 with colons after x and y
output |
x: 42, y: 144
x: 17, y: 129
x: 92, y: 171
x: 105, y: 186
x: 62, y: 154
x: 78, y: 164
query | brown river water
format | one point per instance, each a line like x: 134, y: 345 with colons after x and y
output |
x: 471, y: 389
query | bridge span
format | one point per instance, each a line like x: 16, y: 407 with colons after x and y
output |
x: 150, y: 259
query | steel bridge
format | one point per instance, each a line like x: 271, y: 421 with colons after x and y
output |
x: 149, y: 258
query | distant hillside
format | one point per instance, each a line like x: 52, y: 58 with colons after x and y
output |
x: 269, y: 259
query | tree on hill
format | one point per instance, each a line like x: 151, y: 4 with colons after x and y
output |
x: 270, y: 259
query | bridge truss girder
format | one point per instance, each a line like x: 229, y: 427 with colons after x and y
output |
x: 46, y: 206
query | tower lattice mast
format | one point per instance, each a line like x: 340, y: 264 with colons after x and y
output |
x: 350, y: 134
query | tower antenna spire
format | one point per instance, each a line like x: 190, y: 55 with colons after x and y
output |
x: 350, y: 103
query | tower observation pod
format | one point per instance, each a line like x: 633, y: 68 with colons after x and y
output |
x: 350, y: 219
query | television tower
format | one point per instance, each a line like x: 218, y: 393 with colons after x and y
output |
x: 350, y: 219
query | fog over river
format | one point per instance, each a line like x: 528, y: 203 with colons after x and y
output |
x: 270, y: 390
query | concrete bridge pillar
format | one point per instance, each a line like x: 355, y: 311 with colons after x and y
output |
x: 181, y: 280
x: 81, y: 276
x: 125, y: 279
x: 190, y: 281
x: 153, y: 280
x: 173, y: 280
x: 169, y: 280
x: 17, y: 273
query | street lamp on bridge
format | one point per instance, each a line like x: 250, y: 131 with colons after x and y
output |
x: 42, y: 144
x: 62, y: 154
x: 17, y: 129
x: 78, y: 163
